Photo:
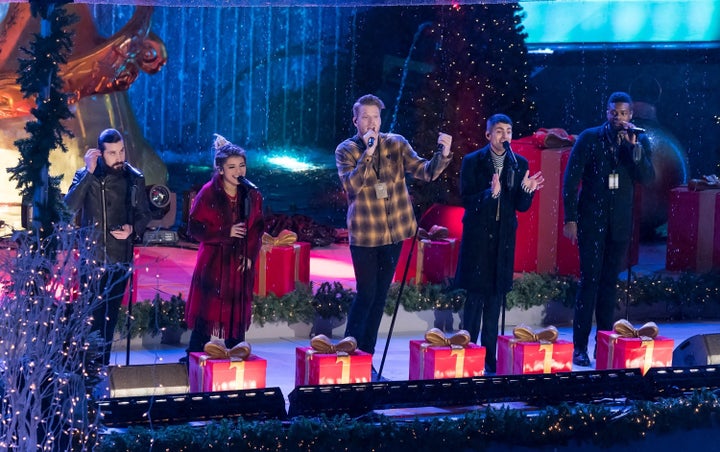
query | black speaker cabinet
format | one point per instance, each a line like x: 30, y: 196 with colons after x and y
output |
x: 148, y: 380
x: 698, y: 350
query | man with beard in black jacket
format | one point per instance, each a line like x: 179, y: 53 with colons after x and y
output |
x: 109, y: 196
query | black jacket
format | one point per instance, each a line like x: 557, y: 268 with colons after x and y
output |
x: 597, y: 208
x: 107, y: 200
x: 487, y: 251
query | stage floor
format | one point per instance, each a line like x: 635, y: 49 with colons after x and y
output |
x: 167, y: 270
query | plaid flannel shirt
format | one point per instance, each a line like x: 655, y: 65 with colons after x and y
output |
x: 372, y: 221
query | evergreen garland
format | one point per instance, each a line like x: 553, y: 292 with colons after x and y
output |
x: 568, y: 424
x: 38, y: 76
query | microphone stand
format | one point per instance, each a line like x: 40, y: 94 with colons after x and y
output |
x: 397, y: 302
x: 511, y: 186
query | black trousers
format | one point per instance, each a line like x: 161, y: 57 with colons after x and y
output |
x: 374, y: 269
x: 601, y: 259
x: 113, y: 284
x: 483, y: 309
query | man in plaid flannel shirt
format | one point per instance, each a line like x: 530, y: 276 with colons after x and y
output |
x: 372, y: 168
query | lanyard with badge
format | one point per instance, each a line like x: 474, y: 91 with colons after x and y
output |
x: 613, y: 177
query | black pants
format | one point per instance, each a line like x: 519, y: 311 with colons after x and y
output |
x: 481, y: 308
x: 112, y: 287
x: 601, y: 259
x: 374, y: 269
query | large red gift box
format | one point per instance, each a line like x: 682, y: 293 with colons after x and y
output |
x: 516, y: 357
x: 433, y: 261
x: 280, y: 264
x: 540, y: 245
x: 693, y: 242
x: 209, y: 375
x: 617, y: 352
x: 314, y: 368
x: 430, y: 362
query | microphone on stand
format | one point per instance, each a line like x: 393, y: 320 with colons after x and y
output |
x: 513, y: 159
x: 511, y: 154
x: 246, y: 183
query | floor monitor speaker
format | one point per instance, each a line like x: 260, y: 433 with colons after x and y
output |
x: 698, y: 350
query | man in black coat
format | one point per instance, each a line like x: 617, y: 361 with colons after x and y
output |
x: 606, y: 161
x: 109, y: 195
x: 494, y: 185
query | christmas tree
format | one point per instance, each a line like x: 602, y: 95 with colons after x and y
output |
x: 39, y: 77
x: 481, y: 68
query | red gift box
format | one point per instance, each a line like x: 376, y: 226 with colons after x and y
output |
x: 280, y: 266
x: 429, y: 362
x: 542, y: 247
x: 209, y: 375
x: 693, y: 242
x: 433, y: 261
x: 516, y: 357
x: 314, y: 368
x: 545, y: 218
x: 617, y: 352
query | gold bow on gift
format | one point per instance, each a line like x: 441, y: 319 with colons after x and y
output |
x: 435, y: 233
x: 322, y: 344
x: 216, y: 349
x: 437, y: 337
x: 286, y: 237
x: 646, y: 332
x: 526, y: 334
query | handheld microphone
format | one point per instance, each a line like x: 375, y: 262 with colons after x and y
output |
x: 132, y: 170
x: 371, y: 141
x: 246, y: 183
x: 440, y: 147
x: 637, y: 130
x: 511, y: 154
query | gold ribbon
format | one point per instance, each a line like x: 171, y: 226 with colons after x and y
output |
x: 647, y: 332
x: 435, y: 233
x: 344, y: 361
x: 436, y: 337
x: 322, y: 344
x: 239, y: 374
x: 285, y: 237
x: 215, y: 349
x: 526, y: 334
x: 649, y: 348
x: 459, y: 355
x: 547, y: 359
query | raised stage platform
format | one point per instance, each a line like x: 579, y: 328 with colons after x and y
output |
x: 167, y: 270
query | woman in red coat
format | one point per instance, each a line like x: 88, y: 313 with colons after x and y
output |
x: 226, y: 218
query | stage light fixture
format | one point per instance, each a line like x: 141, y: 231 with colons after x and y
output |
x: 360, y: 399
x: 251, y: 404
x: 159, y: 199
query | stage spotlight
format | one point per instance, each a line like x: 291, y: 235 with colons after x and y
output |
x: 159, y: 198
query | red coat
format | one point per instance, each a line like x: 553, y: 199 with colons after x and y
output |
x: 220, y: 294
